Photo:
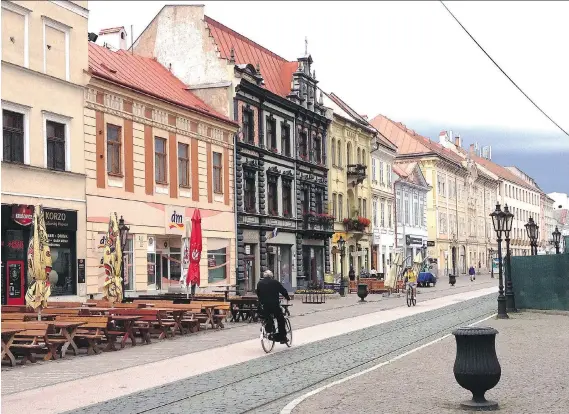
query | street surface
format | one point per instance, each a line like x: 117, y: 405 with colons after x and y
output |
x: 226, y: 371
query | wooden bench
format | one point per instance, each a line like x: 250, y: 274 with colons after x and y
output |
x: 33, y: 339
x: 192, y: 317
x: 14, y: 308
x: 151, y: 321
x: 63, y: 304
x: 61, y: 311
x: 15, y: 316
x: 92, y: 331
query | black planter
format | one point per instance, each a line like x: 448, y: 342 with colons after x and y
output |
x: 451, y: 279
x: 476, y: 367
x: 362, y: 291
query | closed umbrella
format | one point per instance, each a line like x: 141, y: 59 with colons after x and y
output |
x: 391, y: 277
x: 195, y: 249
x: 39, y: 263
x: 112, y: 260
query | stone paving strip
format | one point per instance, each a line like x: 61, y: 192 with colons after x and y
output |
x: 150, y: 377
x: 532, y: 350
x: 41, y: 374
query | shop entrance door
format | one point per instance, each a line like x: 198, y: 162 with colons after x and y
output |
x: 250, y: 279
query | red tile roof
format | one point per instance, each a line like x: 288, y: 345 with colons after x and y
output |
x: 408, y: 142
x: 145, y: 75
x: 275, y: 70
x: 503, y: 172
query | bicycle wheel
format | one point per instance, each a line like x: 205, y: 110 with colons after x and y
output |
x: 266, y: 343
x: 288, y: 333
x: 414, y: 299
x: 408, y: 297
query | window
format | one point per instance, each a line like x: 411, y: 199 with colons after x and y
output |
x: 374, y: 210
x: 318, y: 202
x: 216, y: 261
x: 407, y: 206
x: 441, y: 186
x: 359, y: 206
x: 303, y: 145
x: 422, y: 211
x: 339, y: 154
x: 381, y: 173
x: 55, y: 145
x: 334, y: 199
x: 388, y: 175
x: 285, y: 139
x: 318, y: 150
x: 348, y: 154
x: 184, y: 164
x: 373, y: 170
x: 359, y: 156
x: 364, y: 158
x: 382, y: 207
x: 273, y: 196
x: 13, y: 136
x: 271, y: 133
x: 113, y: 149
x: 248, y: 126
x: 287, y: 191
x: 333, y: 152
x: 305, y: 200
x: 389, y: 215
x: 442, y: 223
x: 340, y: 207
x: 249, y: 190
x: 364, y: 206
x: 398, y: 206
x: 217, y: 174
x: 160, y: 169
x: 416, y: 209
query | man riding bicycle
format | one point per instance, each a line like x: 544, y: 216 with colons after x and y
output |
x: 268, y: 292
x: 411, y: 278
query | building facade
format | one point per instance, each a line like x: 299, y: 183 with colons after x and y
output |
x: 44, y: 63
x: 546, y: 225
x: 154, y: 153
x: 280, y: 163
x: 411, y: 191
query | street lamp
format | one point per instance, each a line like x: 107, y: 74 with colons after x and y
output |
x: 510, y: 299
x: 123, y: 234
x: 498, y: 220
x: 556, y: 239
x: 491, y: 253
x: 531, y: 229
x: 342, y: 245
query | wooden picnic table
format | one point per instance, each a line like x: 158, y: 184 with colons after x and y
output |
x: 242, y: 306
x: 128, y: 322
x: 89, y: 304
x: 68, y: 330
x: 177, y: 315
x: 95, y: 310
x: 225, y: 292
x: 8, y: 336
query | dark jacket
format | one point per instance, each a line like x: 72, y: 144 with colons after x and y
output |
x: 268, y: 291
x: 471, y: 271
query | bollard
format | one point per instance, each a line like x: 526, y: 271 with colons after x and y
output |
x: 476, y: 367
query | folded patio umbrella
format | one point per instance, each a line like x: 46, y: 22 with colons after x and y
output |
x: 112, y: 261
x: 195, y: 249
x: 391, y: 276
x: 39, y: 263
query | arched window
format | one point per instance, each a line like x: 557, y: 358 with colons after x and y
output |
x: 339, y: 153
x: 348, y: 153
x: 364, y: 160
x: 359, y: 156
x: 333, y: 152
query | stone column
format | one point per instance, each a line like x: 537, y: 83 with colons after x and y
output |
x: 263, y: 249
x: 299, y: 263
x: 262, y: 184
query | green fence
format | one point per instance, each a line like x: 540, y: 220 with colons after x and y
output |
x: 541, y: 282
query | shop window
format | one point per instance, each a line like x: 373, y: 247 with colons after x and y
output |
x: 217, y: 260
x: 55, y: 145
x: 62, y: 276
x: 217, y: 173
x: 285, y: 139
x: 160, y: 160
x: 151, y: 270
x: 183, y: 165
x: 13, y: 136
x: 113, y: 149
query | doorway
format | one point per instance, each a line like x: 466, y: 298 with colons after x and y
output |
x: 250, y: 280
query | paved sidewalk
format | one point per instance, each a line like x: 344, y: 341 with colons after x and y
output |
x: 532, y: 350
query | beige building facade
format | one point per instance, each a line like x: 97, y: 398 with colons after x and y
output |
x: 44, y: 59
x: 154, y: 153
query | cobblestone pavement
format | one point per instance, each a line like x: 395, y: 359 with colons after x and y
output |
x: 532, y: 350
x: 263, y: 384
x: 42, y: 374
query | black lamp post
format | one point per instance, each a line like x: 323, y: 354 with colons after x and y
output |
x: 531, y: 229
x: 510, y: 299
x: 498, y: 220
x: 123, y: 233
x: 556, y: 239
x: 491, y: 257
x: 342, y: 246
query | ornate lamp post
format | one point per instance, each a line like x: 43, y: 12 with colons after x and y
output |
x: 556, y: 239
x: 491, y: 253
x: 510, y: 299
x: 498, y: 220
x: 342, y: 245
x: 531, y: 229
x: 123, y: 233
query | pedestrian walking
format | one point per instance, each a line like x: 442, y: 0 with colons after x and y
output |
x: 472, y: 273
x: 352, y: 273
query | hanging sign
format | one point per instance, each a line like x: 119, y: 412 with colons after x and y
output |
x: 23, y: 215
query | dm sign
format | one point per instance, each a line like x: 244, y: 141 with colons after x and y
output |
x: 175, y: 220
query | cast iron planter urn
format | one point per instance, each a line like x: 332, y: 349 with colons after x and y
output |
x: 451, y: 279
x: 362, y: 291
x: 476, y: 367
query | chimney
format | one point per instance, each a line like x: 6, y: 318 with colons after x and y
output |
x: 472, y: 150
x: 457, y: 141
x: 115, y: 38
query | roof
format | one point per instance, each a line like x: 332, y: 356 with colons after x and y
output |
x: 411, y: 173
x: 275, y: 70
x: 111, y: 30
x: 147, y: 76
x: 408, y: 142
x: 503, y: 173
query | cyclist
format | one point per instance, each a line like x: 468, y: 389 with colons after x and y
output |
x: 412, y: 281
x: 268, y: 291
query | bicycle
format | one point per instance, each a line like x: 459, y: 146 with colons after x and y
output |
x: 267, y: 338
x: 410, y: 295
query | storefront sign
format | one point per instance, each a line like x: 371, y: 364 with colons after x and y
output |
x: 413, y: 240
x: 58, y: 240
x: 60, y: 219
x: 376, y: 237
x: 430, y: 243
x: 175, y: 220
x: 81, y: 270
x: 23, y: 215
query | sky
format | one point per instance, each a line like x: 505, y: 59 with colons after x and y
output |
x: 412, y: 62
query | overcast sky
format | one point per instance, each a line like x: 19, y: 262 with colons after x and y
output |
x: 412, y: 62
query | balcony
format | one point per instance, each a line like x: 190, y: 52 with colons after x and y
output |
x: 358, y: 224
x: 356, y: 173
x: 318, y: 225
